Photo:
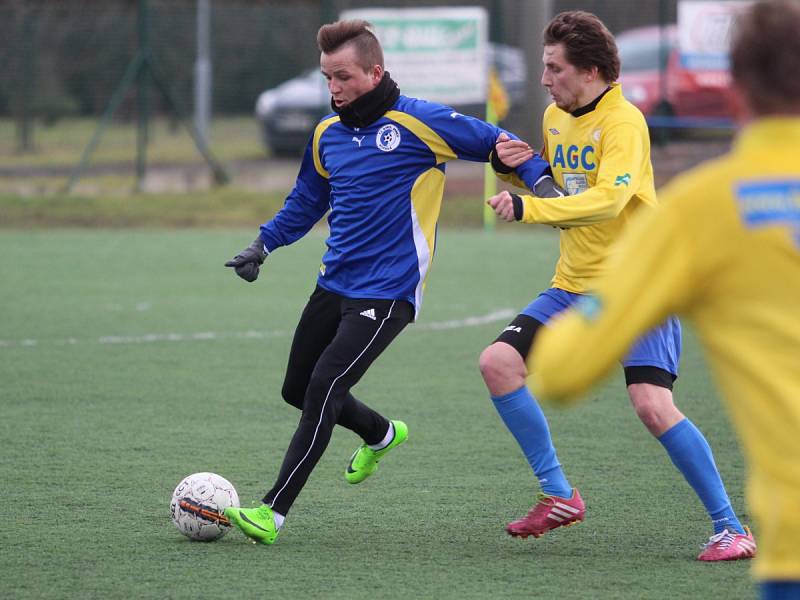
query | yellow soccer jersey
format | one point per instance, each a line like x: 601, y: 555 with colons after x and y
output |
x: 723, y: 250
x: 602, y: 159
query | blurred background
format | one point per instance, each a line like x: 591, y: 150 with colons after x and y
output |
x: 115, y: 98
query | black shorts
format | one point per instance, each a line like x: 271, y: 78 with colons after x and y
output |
x: 521, y: 332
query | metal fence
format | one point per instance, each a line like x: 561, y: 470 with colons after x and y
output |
x: 66, y: 58
x: 74, y: 58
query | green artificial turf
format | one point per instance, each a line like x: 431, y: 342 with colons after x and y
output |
x: 129, y: 359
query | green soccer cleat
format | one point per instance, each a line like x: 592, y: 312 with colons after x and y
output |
x: 256, y: 523
x: 364, y: 461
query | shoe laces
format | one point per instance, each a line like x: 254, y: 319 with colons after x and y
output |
x: 724, y: 538
x: 543, y: 500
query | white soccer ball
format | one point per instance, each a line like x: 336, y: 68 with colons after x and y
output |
x: 198, y: 504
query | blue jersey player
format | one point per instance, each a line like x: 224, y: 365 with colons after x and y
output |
x: 376, y: 166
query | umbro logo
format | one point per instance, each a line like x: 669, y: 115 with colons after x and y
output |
x: 358, y: 140
x: 513, y: 328
x: 369, y: 313
x: 554, y: 131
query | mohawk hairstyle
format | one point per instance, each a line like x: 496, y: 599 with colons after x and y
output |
x: 333, y: 36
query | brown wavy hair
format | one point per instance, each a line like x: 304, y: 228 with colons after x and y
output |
x: 765, y: 56
x: 587, y: 42
x: 333, y: 36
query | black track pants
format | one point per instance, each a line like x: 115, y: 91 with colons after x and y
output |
x: 335, y: 342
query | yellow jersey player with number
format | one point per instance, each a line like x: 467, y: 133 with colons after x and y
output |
x: 598, y: 147
x: 725, y: 245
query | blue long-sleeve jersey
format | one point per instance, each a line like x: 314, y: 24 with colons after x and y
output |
x: 383, y: 185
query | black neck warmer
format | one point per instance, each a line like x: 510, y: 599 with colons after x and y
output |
x: 578, y: 112
x: 370, y: 107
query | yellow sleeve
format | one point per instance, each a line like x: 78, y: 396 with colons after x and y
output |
x: 650, y: 279
x: 619, y: 174
x: 511, y: 178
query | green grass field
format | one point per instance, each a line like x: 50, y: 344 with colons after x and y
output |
x: 129, y: 359
x: 57, y: 150
x: 62, y: 144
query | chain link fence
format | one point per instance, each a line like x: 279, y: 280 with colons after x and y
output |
x: 64, y: 60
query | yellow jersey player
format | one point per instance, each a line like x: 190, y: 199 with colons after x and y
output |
x: 726, y: 247
x: 597, y: 144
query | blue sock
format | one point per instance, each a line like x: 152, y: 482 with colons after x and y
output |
x: 690, y: 452
x: 527, y: 423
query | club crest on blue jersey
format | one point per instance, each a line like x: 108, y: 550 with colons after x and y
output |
x: 388, y: 137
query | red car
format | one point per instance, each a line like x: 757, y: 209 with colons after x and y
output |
x: 654, y: 80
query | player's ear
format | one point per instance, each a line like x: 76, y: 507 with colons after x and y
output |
x: 377, y: 74
x: 592, y: 73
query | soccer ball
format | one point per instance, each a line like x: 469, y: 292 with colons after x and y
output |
x: 198, y: 504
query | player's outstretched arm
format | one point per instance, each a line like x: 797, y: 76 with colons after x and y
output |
x: 510, y: 207
x: 512, y: 153
x: 454, y: 135
x: 515, y: 162
x: 618, y: 177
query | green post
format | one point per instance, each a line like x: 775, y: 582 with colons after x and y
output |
x: 143, y: 71
x: 25, y: 118
x: 327, y: 12
x: 489, y: 178
x: 496, y: 32
x: 116, y: 99
x: 143, y: 93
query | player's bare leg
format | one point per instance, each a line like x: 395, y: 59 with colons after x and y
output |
x: 691, y: 454
x: 559, y: 505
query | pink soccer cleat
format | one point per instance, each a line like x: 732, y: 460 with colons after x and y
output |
x: 548, y: 513
x: 728, y: 545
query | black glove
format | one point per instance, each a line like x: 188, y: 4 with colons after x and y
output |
x: 249, y: 260
x: 546, y: 187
